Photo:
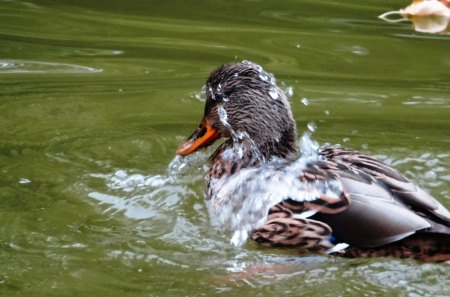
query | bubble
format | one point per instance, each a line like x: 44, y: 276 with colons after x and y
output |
x: 305, y: 101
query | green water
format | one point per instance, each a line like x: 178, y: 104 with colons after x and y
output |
x: 95, y: 93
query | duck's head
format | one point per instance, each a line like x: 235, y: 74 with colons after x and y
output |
x: 243, y: 101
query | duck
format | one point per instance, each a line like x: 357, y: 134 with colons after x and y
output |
x: 334, y: 200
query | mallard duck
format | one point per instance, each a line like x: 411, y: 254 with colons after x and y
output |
x: 337, y: 201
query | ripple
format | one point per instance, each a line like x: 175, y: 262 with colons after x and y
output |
x: 22, y: 66
x: 429, y: 170
x: 424, y: 280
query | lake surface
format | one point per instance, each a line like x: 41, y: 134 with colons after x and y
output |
x: 95, y: 97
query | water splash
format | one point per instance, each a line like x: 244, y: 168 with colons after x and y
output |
x: 241, y: 140
x: 308, y: 146
x: 130, y: 182
x: 200, y: 95
x: 142, y: 197
x: 241, y: 202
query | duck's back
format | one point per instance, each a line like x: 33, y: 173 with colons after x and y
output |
x: 384, y: 206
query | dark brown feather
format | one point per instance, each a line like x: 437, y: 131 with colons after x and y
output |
x: 283, y: 229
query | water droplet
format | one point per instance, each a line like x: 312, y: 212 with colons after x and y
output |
x: 289, y: 91
x: 210, y: 89
x: 346, y: 139
x: 263, y: 76
x: 305, y: 101
x: 24, y: 181
x: 272, y: 79
x: 298, y: 46
x: 201, y: 95
x: 327, y: 112
x: 312, y: 126
x: 273, y: 93
x: 223, y: 115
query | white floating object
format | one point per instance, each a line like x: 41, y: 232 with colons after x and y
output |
x: 428, y: 16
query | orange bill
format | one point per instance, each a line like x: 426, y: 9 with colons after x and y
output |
x: 204, y: 136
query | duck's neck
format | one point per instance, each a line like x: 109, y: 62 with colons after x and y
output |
x: 233, y: 156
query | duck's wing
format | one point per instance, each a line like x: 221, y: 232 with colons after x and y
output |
x: 286, y: 229
x: 384, y: 206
